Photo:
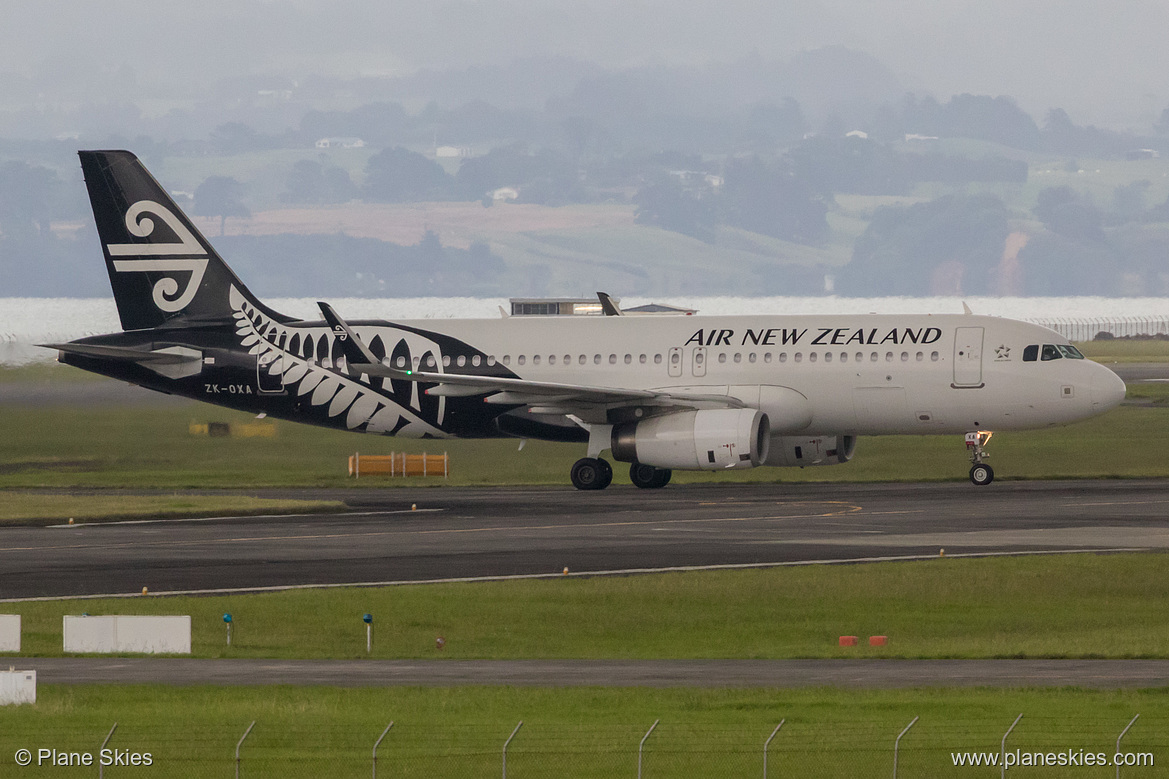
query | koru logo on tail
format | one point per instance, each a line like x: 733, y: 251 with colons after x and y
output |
x: 184, y: 256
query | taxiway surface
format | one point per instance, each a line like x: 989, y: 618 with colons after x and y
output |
x: 464, y: 533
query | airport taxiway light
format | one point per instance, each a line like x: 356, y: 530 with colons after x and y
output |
x: 565, y: 571
x: 367, y: 618
x: 413, y: 506
x: 70, y: 520
x: 227, y: 618
x: 941, y: 552
x: 439, y: 642
x: 143, y: 590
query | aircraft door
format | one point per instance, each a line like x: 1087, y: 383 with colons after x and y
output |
x: 270, y: 373
x: 968, y: 357
x: 698, y: 360
x: 674, y: 361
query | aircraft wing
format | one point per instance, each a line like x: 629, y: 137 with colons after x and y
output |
x: 510, y: 391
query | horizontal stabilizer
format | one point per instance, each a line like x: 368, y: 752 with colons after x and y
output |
x: 124, y: 353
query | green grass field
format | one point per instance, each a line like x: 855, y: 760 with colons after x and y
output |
x: 1126, y: 351
x: 1078, y: 606
x: 578, y: 732
x: 151, y: 447
x: 39, y: 507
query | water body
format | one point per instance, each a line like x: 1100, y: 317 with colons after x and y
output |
x: 25, y: 322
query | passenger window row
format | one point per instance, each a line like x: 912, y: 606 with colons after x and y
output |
x: 642, y: 359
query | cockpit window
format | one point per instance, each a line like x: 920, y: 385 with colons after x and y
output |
x: 1031, y: 353
x: 1050, y: 352
x: 1069, y: 351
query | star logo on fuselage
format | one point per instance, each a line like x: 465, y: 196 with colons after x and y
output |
x: 1002, y: 352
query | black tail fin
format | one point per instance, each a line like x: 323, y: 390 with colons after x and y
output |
x: 161, y: 268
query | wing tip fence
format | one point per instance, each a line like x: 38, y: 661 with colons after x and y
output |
x: 1100, y: 328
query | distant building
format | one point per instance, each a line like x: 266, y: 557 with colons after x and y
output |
x: 587, y: 307
x: 340, y: 143
x: 916, y: 137
x: 504, y: 193
x: 556, y: 307
x: 452, y: 152
x: 1142, y: 154
x: 659, y: 309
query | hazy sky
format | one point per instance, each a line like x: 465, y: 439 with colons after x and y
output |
x: 1103, y: 61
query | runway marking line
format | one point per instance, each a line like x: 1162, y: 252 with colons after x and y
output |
x: 847, y: 509
x: 562, y: 575
x: 1123, y: 503
x: 245, y: 517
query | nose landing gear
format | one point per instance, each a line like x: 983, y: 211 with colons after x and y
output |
x: 981, y: 474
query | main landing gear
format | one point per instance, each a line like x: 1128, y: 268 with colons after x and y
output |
x: 591, y: 473
x: 980, y: 473
x: 648, y: 477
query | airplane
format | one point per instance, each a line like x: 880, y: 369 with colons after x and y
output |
x: 660, y: 393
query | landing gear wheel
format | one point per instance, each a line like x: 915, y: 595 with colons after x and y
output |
x: 982, y: 474
x: 606, y: 474
x: 591, y: 473
x: 648, y: 477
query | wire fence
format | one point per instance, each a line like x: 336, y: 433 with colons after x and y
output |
x: 1089, y: 328
x: 901, y: 748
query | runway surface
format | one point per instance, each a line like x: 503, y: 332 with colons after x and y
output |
x: 463, y: 533
x: 859, y: 674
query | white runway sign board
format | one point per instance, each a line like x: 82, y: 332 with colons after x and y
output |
x: 18, y: 687
x: 153, y: 635
x: 9, y: 632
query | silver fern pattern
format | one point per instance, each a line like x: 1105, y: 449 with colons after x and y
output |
x: 308, y: 363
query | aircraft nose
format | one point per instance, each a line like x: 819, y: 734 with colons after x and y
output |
x: 1107, y: 389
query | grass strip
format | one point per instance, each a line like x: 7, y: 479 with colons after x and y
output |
x: 39, y: 508
x: 1062, y: 606
x: 579, y: 732
x: 1126, y: 350
x: 138, y: 447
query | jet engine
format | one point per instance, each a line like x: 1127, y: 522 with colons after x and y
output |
x: 811, y: 450
x: 708, y: 440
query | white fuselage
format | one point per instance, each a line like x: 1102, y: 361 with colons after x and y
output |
x: 859, y: 374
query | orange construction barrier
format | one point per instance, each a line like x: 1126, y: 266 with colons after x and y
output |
x: 399, y: 464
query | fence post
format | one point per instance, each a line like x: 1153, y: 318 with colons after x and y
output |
x: 767, y: 743
x: 240, y: 744
x: 897, y: 744
x: 377, y: 744
x: 505, y: 743
x: 641, y: 746
x: 1118, y: 738
x: 101, y: 767
x: 1003, y: 746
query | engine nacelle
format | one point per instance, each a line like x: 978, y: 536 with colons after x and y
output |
x: 708, y: 440
x: 791, y: 450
